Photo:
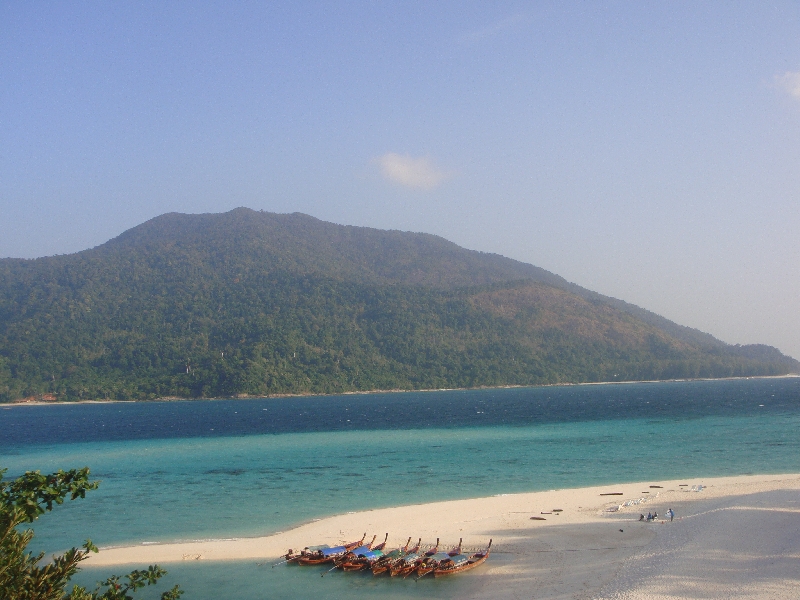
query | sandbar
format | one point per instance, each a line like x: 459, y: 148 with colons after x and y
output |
x: 731, y: 536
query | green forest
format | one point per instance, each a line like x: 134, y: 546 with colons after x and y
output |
x: 249, y: 303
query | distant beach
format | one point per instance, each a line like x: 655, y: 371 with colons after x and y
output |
x: 29, y: 402
x: 729, y: 534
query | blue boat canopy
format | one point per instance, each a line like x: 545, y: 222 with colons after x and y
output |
x: 331, y: 551
x: 360, y: 550
x: 439, y: 556
x: 459, y: 559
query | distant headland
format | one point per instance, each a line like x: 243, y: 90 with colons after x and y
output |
x: 250, y: 303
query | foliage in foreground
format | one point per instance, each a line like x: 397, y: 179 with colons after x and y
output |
x: 24, y: 575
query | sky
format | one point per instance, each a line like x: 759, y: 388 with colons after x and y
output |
x: 647, y: 151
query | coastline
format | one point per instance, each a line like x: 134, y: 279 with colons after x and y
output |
x: 389, y: 391
x: 595, y: 547
x: 452, y: 519
x: 734, y: 534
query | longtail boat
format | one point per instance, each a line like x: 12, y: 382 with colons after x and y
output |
x: 431, y: 563
x: 309, y: 551
x: 292, y: 557
x: 356, y: 561
x: 340, y: 559
x: 462, y: 562
x: 408, y: 564
x: 383, y: 565
x: 382, y: 545
x: 362, y: 561
x: 326, y: 555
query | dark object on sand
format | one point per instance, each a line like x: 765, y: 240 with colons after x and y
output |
x: 656, y: 486
x: 538, y: 519
x: 683, y: 485
x: 621, y: 531
x: 558, y: 510
x: 612, y: 494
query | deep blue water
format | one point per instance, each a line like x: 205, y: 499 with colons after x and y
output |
x: 516, y: 407
x: 200, y: 469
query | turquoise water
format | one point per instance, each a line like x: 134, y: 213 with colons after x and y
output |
x: 227, y: 477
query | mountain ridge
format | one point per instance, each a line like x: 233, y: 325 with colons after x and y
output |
x: 526, y: 271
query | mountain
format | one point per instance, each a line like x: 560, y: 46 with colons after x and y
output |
x: 255, y: 303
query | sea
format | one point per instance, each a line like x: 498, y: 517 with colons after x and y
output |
x: 220, y: 469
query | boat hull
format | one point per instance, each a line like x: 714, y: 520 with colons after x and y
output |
x: 306, y: 562
x: 461, y: 569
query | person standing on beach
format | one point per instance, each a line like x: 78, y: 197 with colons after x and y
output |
x: 671, y: 514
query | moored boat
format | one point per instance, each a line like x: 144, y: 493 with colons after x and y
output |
x: 325, y: 555
x: 384, y: 564
x: 362, y: 561
x: 357, y: 560
x: 462, y: 562
x: 407, y: 564
x: 292, y: 557
x: 382, y: 545
x: 431, y: 563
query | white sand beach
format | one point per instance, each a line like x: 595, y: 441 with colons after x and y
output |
x: 731, y: 537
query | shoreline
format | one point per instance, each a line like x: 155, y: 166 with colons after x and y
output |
x: 474, y: 519
x: 731, y: 536
x: 389, y: 391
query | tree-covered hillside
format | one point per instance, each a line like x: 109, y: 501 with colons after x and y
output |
x: 258, y: 303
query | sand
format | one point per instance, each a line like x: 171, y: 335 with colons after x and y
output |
x: 731, y: 537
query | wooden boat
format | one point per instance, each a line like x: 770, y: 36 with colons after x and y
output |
x: 292, y: 557
x: 340, y: 558
x: 406, y: 565
x: 462, y: 562
x: 383, y: 564
x: 309, y: 551
x: 431, y: 563
x: 382, y: 545
x: 362, y: 561
x: 357, y: 560
x: 326, y: 555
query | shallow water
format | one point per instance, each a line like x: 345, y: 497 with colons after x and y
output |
x: 216, y: 469
x: 240, y: 580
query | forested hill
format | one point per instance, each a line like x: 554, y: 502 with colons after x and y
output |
x: 258, y: 303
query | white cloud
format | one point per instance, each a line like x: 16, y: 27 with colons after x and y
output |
x: 420, y: 173
x: 790, y: 83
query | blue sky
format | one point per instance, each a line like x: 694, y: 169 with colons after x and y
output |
x: 648, y: 152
